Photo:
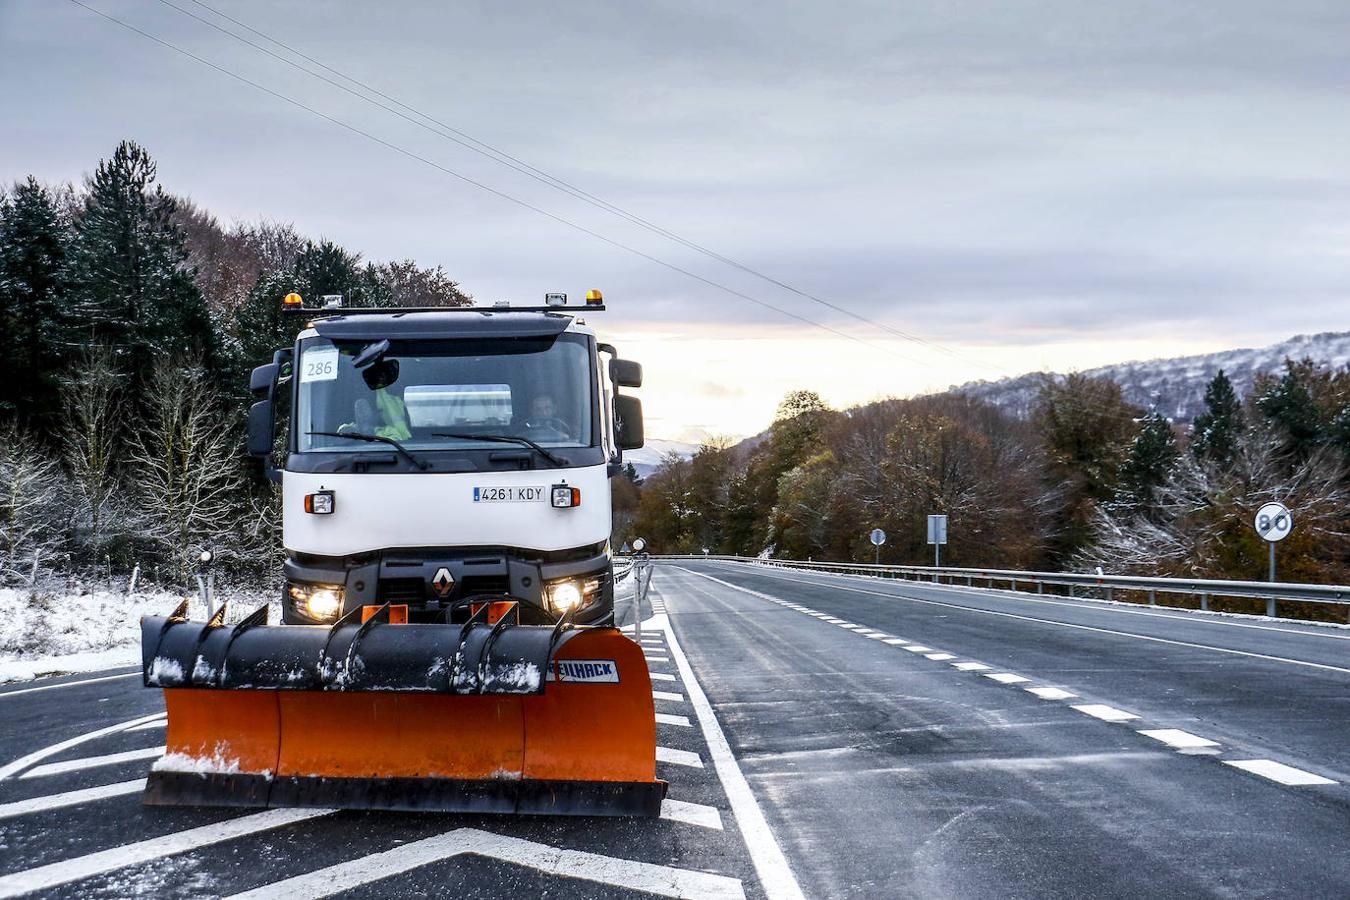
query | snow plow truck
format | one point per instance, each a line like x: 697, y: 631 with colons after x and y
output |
x: 448, y: 636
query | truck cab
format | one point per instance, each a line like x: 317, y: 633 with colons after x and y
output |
x: 440, y: 460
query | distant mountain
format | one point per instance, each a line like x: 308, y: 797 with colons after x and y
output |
x: 1176, y: 386
x: 649, y: 457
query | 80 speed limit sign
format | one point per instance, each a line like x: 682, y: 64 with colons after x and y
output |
x: 1274, y: 522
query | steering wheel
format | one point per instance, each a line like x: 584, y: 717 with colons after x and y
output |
x: 551, y: 423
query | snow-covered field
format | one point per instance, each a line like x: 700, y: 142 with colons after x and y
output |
x: 57, y: 631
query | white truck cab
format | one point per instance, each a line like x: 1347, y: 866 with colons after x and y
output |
x: 443, y: 458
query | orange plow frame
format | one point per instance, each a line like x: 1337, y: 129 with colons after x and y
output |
x: 581, y: 747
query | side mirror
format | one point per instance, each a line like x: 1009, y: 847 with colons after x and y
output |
x: 260, y: 428
x: 626, y: 373
x: 628, y: 415
x: 263, y: 381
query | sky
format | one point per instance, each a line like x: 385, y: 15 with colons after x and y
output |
x: 974, y: 190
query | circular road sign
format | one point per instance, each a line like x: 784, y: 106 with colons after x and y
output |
x: 878, y: 536
x: 1274, y: 522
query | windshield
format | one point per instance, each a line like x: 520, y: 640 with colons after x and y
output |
x: 437, y: 395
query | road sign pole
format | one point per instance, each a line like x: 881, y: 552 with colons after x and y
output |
x: 878, y: 554
x: 1270, y: 601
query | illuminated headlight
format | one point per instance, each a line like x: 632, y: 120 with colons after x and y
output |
x: 573, y: 594
x: 318, y: 601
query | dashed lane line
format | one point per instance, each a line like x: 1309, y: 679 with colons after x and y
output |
x: 1006, y: 677
x: 1050, y: 693
x: 679, y: 757
x: 1105, y: 713
x: 70, y: 798
x: 37, y: 756
x: 1175, y: 737
x: 662, y: 881
x: 669, y: 719
x: 919, y: 648
x: 92, y: 762
x: 66, y: 684
x: 970, y: 666
x: 661, y: 676
x: 895, y: 640
x: 940, y: 657
x: 668, y: 695
x: 1024, y: 618
x: 46, y: 877
x: 691, y: 813
x: 1286, y: 775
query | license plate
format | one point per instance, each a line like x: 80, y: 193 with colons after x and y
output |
x: 508, y: 494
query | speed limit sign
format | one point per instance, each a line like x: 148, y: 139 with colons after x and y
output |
x: 1274, y: 522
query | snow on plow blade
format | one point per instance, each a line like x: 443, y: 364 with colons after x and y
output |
x: 460, y: 718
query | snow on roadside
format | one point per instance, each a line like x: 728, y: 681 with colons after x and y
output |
x: 57, y: 632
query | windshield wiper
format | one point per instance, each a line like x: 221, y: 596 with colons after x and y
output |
x: 503, y: 439
x: 373, y: 439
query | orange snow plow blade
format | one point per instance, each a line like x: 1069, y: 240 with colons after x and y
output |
x: 259, y: 723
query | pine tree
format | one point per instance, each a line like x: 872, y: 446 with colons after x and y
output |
x: 132, y: 285
x: 33, y: 243
x: 1289, y: 405
x: 1218, y: 429
x: 326, y: 268
x: 1151, y: 460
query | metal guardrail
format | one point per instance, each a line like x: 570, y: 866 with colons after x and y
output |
x: 1203, y: 588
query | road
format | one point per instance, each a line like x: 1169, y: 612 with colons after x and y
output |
x: 824, y: 736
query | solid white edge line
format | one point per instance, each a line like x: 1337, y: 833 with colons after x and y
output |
x: 775, y: 875
x: 670, y: 719
x: 678, y: 757
x: 70, y: 798
x: 1279, y: 772
x: 91, y: 762
x: 64, y: 684
x: 37, y: 756
x: 691, y: 813
x: 663, y: 881
x: 68, y: 870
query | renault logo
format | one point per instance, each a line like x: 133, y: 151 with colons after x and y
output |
x: 443, y: 583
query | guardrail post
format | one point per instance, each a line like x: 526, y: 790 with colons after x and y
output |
x: 1270, y: 607
x: 1110, y: 593
x: 1071, y: 593
x: 1040, y: 586
x: 1204, y: 602
x: 1152, y: 597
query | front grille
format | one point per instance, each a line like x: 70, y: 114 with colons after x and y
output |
x: 473, y: 585
x: 402, y: 590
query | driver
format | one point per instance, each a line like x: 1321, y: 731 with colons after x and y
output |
x: 383, y: 413
x: 544, y: 414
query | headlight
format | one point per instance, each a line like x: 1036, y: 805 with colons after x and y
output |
x: 318, y: 601
x: 572, y: 593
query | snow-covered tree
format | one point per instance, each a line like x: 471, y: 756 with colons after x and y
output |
x: 34, y: 505
x: 93, y: 402
x: 1149, y: 463
x: 33, y: 239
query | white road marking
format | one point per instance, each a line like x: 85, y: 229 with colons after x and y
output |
x: 68, y: 870
x: 159, y: 723
x: 691, y: 813
x: 91, y: 762
x: 37, y: 756
x: 895, y: 641
x: 870, y: 633
x: 660, y: 676
x: 849, y: 625
x: 667, y: 695
x: 1006, y: 677
x: 831, y: 621
x: 1111, y: 631
x: 679, y: 757
x: 970, y: 666
x: 64, y: 684
x: 663, y: 881
x: 919, y: 648
x: 668, y: 719
x: 1174, y: 737
x: 658, y: 659
x: 70, y: 798
x: 1268, y: 768
x: 1050, y: 693
x: 1105, y: 713
x: 941, y: 657
x: 878, y: 635
x: 775, y: 875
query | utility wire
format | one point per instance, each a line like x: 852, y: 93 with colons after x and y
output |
x: 469, y: 142
x: 491, y: 190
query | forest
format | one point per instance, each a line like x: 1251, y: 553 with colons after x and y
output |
x: 129, y: 321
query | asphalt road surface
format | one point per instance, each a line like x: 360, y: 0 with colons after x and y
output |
x: 823, y: 736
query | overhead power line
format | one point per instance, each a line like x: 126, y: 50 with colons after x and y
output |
x: 448, y: 132
x: 488, y: 188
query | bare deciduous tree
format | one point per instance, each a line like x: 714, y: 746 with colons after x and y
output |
x: 94, y: 409
x: 34, y: 513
